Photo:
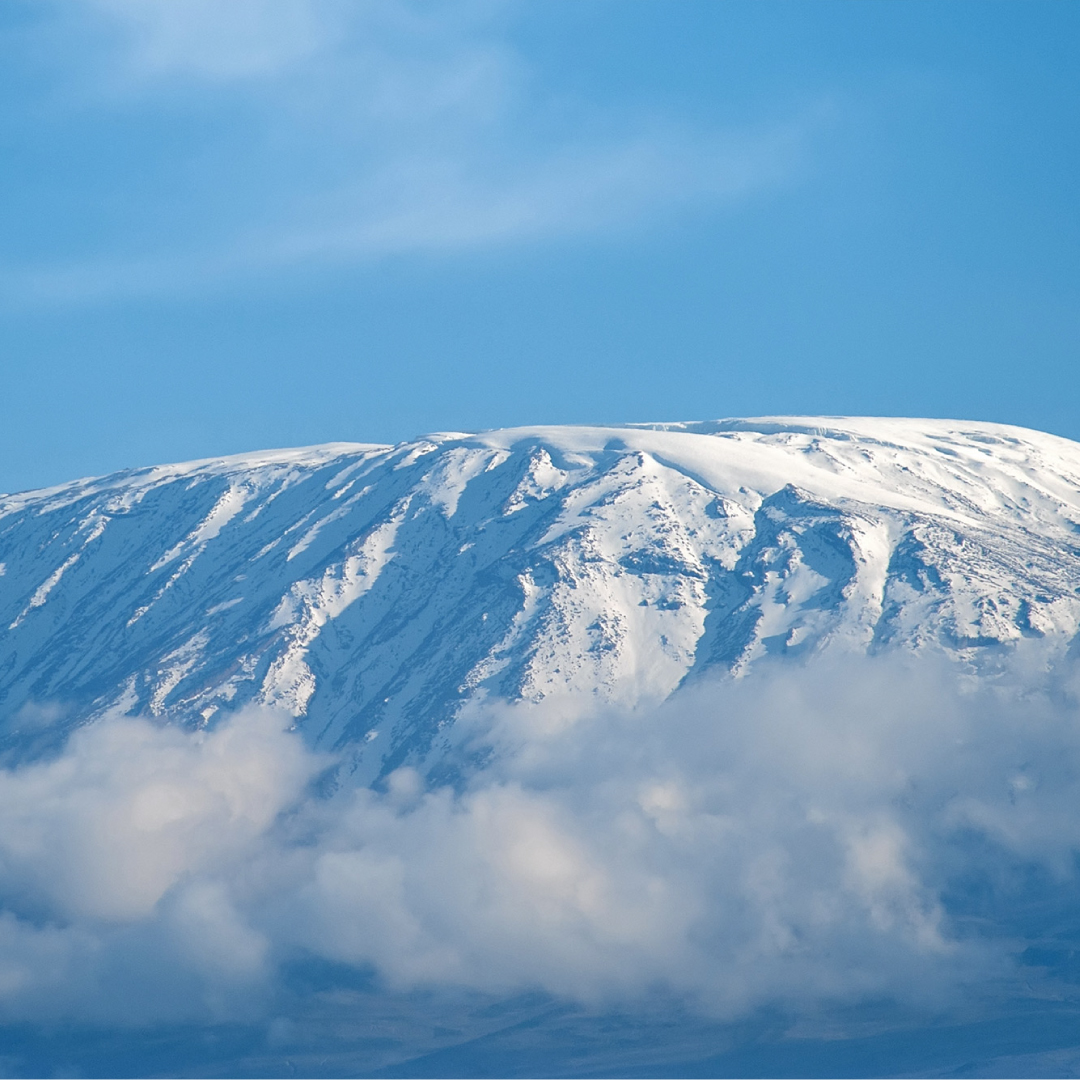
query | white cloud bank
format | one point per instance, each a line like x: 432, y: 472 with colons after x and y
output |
x: 849, y: 831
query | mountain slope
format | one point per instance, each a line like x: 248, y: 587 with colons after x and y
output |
x: 371, y: 591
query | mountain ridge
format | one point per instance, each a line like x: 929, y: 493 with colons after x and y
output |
x: 373, y: 591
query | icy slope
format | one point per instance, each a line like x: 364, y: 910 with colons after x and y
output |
x: 372, y: 590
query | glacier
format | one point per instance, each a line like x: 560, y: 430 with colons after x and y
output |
x: 375, y: 592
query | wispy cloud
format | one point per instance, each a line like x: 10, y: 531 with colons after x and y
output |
x: 351, y: 132
x: 199, y: 39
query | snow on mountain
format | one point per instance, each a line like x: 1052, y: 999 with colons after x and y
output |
x: 372, y: 591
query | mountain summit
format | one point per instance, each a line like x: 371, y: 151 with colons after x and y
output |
x: 374, y: 591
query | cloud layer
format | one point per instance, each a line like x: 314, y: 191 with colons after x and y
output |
x: 848, y: 831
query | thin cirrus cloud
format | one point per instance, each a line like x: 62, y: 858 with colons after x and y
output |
x: 218, y: 42
x: 342, y: 133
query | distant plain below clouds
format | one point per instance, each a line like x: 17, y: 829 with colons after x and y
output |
x: 342, y: 133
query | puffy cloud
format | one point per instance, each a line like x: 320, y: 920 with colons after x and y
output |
x: 848, y: 830
x: 106, y: 830
x: 118, y: 861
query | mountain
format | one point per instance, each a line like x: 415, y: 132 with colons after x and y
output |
x: 372, y: 591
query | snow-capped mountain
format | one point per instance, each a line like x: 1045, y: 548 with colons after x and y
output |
x: 372, y: 591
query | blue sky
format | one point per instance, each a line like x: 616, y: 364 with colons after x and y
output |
x: 229, y: 227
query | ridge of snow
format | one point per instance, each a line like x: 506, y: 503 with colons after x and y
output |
x: 371, y: 589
